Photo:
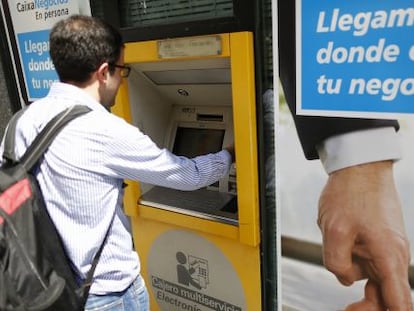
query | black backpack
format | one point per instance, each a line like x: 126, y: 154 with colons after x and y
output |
x: 35, y: 273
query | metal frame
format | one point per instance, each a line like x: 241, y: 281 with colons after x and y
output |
x: 243, y: 20
x: 11, y: 60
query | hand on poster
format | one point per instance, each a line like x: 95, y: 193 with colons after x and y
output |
x: 364, y: 237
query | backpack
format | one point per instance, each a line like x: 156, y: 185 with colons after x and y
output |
x: 35, y: 273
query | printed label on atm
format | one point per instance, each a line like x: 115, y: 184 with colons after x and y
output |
x: 187, y: 272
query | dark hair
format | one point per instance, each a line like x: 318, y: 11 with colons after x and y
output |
x: 80, y: 44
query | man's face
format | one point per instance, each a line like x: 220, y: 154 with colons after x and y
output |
x: 112, y: 86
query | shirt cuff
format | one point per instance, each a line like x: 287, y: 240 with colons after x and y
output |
x: 359, y: 147
x: 227, y: 159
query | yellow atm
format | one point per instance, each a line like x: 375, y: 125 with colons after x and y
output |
x: 199, y: 250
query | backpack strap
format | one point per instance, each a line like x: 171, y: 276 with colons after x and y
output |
x: 83, y: 290
x: 42, y: 140
x: 10, y: 137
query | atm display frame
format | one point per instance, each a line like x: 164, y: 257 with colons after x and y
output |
x: 201, y: 129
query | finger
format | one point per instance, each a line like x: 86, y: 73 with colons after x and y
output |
x: 373, y: 293
x: 372, y: 300
x: 357, y: 273
x: 396, y: 292
x: 338, y: 242
x: 364, y: 305
x: 391, y: 272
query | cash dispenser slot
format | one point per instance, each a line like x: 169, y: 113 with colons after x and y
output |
x: 210, y: 117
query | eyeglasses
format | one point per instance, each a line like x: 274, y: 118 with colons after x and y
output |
x: 125, y: 70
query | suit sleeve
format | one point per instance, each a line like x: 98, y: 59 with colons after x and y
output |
x: 311, y: 130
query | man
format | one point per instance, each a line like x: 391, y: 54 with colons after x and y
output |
x: 82, y: 173
x: 359, y: 209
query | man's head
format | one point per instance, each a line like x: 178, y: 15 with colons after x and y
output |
x: 88, y: 53
x: 80, y: 44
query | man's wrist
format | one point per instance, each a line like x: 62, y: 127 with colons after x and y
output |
x: 230, y: 150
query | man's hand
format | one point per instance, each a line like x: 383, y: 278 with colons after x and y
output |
x: 363, y: 233
x: 230, y: 149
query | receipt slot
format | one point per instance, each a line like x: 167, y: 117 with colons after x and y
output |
x: 199, y: 250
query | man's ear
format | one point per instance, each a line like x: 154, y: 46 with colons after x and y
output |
x: 102, y: 72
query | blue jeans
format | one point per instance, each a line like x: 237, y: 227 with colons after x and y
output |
x: 134, y: 298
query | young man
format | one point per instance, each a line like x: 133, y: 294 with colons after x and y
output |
x: 82, y: 173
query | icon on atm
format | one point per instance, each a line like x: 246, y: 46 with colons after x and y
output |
x: 192, y: 271
x: 157, y: 283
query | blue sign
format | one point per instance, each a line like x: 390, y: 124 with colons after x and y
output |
x: 30, y: 22
x: 355, y: 57
x: 38, y: 67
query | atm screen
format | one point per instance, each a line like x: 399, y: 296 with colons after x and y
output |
x: 191, y: 142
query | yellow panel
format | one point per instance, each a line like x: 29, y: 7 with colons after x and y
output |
x: 139, y: 52
x: 189, y: 222
x: 245, y: 137
x: 239, y: 244
x: 244, y: 115
x: 122, y: 109
x: 244, y: 259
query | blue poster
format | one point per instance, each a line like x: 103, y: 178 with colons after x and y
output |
x: 36, y: 62
x: 30, y: 22
x: 355, y: 57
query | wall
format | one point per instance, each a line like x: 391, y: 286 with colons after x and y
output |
x: 5, y: 102
x: 9, y: 97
